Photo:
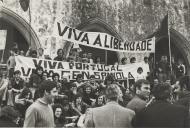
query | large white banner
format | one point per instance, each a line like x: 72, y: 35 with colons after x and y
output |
x: 103, y: 40
x: 3, y: 36
x: 70, y: 69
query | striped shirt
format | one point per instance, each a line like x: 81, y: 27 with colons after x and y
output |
x: 39, y: 114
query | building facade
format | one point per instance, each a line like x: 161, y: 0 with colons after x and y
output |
x: 128, y: 20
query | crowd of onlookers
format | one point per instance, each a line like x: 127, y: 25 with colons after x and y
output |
x: 76, y: 96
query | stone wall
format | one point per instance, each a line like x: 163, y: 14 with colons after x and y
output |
x: 132, y: 19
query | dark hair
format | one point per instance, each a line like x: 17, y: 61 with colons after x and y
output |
x: 39, y: 68
x: 145, y: 57
x: 139, y: 69
x: 45, y: 72
x: 55, y: 106
x: 47, y: 86
x: 54, y: 75
x: 59, y: 50
x: 139, y: 83
x: 79, y: 76
x: 92, y: 76
x: 34, y: 52
x: 123, y: 59
x: 104, y: 100
x: 17, y: 72
x: 162, y: 91
x: 9, y: 112
x: 132, y: 59
x: 25, y: 92
x: 109, y: 77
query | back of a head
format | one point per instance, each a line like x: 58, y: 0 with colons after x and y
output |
x: 9, y: 112
x: 162, y: 91
x: 112, y: 92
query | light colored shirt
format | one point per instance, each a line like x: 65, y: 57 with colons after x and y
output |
x: 39, y: 114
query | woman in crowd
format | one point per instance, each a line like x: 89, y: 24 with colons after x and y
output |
x: 88, y: 95
x: 100, y: 101
x: 35, y: 79
x: 55, y: 78
x: 79, y: 106
x: 58, y: 115
x: 23, y: 101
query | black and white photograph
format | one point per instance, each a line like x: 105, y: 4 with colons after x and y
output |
x: 95, y: 63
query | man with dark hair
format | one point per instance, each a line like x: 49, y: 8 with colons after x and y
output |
x: 40, y: 113
x: 110, y: 115
x: 124, y: 61
x: 161, y: 113
x: 60, y: 55
x: 142, y: 88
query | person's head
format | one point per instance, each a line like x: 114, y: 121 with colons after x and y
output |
x: 17, y: 74
x: 100, y: 100
x: 112, y: 92
x: 66, y: 106
x: 44, y: 75
x: 142, y: 88
x: 78, y: 99
x: 34, y: 54
x: 164, y: 58
x: 73, y: 88
x: 124, y: 60
x: 65, y: 79
x: 184, y: 83
x: 57, y: 110
x: 162, y: 91
x: 89, y: 55
x: 48, y: 90
x: 10, y: 113
x: 133, y: 60
x: 97, y: 59
x: 79, y: 78
x: 60, y: 52
x: 40, y: 51
x: 140, y: 70
x: 84, y: 55
x: 26, y: 93
x: 109, y: 79
x: 87, y: 89
x: 55, y: 77
x: 155, y: 82
x: 146, y: 59
x: 39, y: 70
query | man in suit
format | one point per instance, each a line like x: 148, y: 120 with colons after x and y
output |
x: 142, y: 89
x: 111, y: 114
x: 162, y: 113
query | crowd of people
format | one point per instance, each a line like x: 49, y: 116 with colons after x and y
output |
x: 159, y: 100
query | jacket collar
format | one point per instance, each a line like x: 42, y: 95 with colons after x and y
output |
x: 112, y: 102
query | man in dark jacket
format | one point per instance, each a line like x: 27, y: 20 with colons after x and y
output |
x: 162, y: 113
